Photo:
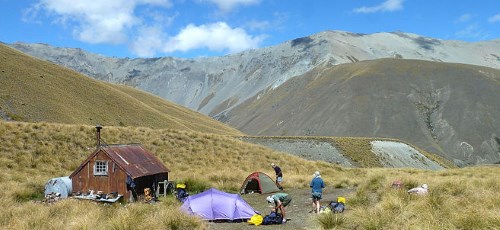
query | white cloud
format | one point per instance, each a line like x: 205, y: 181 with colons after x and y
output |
x: 464, y: 18
x: 228, y: 5
x: 31, y: 14
x: 495, y: 18
x: 472, y: 31
x: 98, y: 21
x: 149, y: 42
x: 258, y: 25
x: 214, y: 37
x: 143, y: 30
x: 218, y: 37
x: 388, y: 5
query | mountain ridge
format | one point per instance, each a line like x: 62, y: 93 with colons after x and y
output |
x: 219, y: 86
x: 212, y: 85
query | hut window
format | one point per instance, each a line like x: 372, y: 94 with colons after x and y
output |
x: 101, y: 168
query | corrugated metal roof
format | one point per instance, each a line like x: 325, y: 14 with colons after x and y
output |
x: 135, y: 160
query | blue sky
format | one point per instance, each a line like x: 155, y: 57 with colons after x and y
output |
x: 194, y: 28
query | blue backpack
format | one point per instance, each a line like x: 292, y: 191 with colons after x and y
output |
x: 181, y: 195
x: 273, y: 218
x: 337, y: 207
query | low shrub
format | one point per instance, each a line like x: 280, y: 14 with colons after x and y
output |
x: 195, y: 185
x: 35, y: 192
x: 331, y: 220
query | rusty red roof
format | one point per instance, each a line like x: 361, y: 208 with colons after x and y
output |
x: 135, y: 160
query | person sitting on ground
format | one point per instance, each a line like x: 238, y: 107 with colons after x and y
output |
x: 280, y: 201
x: 317, y: 186
x: 397, y: 184
x: 279, y: 175
x: 422, y: 190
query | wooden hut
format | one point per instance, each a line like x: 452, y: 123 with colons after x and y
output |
x: 122, y: 169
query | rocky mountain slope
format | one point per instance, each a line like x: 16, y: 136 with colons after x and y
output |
x: 216, y: 84
x: 354, y: 152
x: 449, y: 109
x: 34, y: 90
x: 219, y: 87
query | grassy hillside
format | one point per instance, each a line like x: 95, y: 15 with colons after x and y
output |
x: 31, y: 153
x: 33, y: 90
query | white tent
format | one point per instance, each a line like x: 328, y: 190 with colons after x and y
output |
x: 61, y: 185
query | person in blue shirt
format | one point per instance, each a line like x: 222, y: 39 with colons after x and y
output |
x: 317, y: 186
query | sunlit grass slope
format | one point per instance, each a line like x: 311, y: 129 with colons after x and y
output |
x: 466, y: 198
x: 31, y: 153
x: 51, y: 150
x: 33, y: 90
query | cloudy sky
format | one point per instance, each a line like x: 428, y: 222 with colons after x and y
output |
x: 194, y: 28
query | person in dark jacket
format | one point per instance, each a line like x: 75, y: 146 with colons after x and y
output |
x: 279, y: 175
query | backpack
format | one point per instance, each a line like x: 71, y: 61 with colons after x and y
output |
x: 337, y: 207
x: 272, y: 218
x: 181, y: 194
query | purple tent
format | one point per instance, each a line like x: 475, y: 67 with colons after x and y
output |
x: 217, y: 205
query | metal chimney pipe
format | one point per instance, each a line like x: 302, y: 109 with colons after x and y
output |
x: 98, y: 135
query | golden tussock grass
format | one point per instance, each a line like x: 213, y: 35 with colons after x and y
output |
x: 32, y: 153
x: 464, y: 198
x: 33, y: 90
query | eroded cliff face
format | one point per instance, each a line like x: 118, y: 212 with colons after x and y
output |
x: 389, y: 154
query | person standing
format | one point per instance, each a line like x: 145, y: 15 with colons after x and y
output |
x: 317, y: 186
x: 279, y: 175
x: 280, y: 201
